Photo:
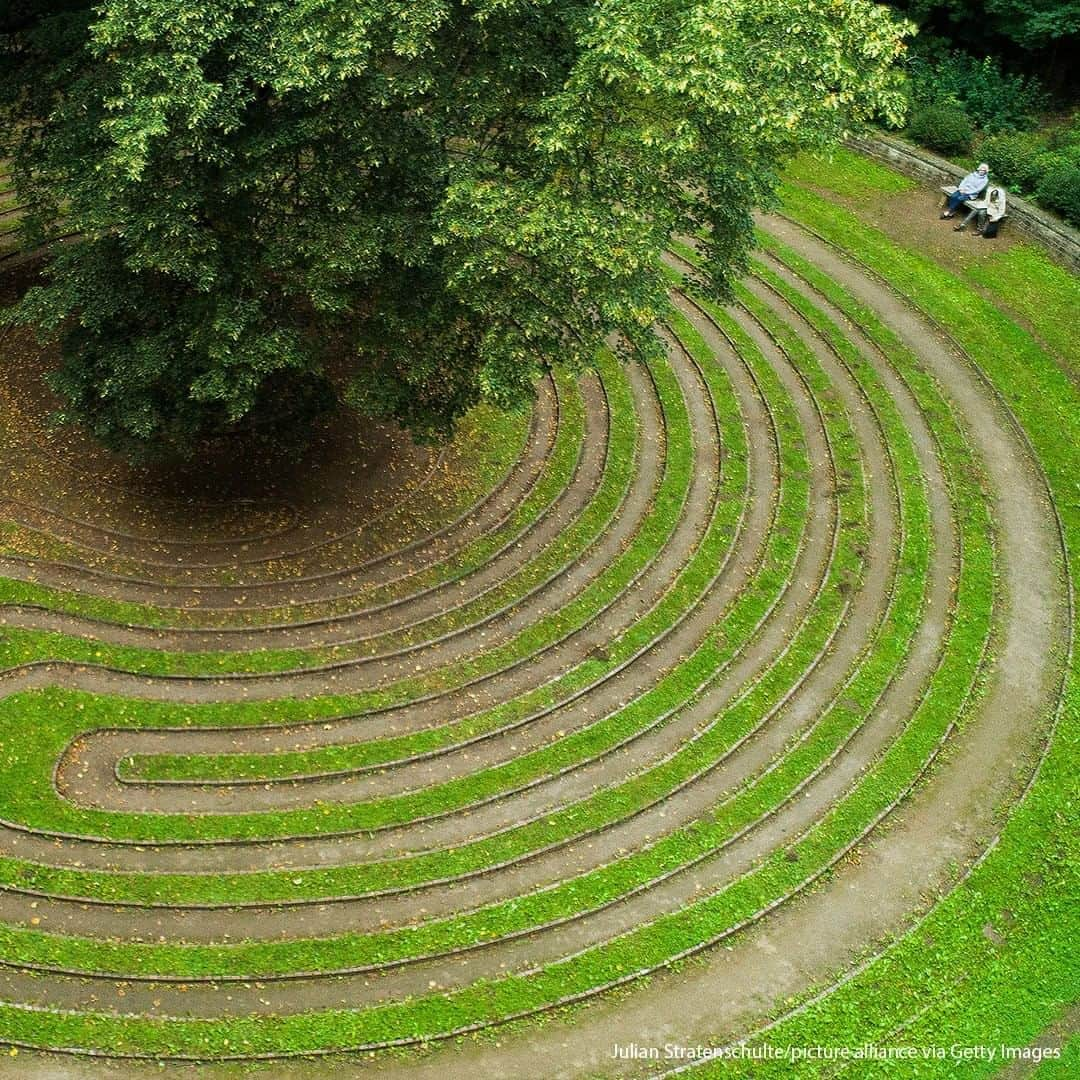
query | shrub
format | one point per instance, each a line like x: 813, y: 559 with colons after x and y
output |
x: 944, y: 128
x: 1070, y: 152
x: 1059, y: 190
x: 1051, y: 160
x: 994, y: 99
x: 1013, y: 159
x: 1066, y: 138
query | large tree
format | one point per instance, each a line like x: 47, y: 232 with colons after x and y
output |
x: 427, y: 202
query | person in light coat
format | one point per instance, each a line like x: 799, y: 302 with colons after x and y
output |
x: 971, y: 187
x: 987, y: 218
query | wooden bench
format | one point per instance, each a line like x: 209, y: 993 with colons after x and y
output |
x: 971, y: 204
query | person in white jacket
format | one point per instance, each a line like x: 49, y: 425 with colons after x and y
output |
x: 971, y: 187
x: 986, y: 217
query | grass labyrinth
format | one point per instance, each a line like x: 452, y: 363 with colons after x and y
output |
x: 771, y: 638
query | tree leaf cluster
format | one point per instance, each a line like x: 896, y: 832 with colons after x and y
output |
x: 1032, y: 25
x: 414, y: 205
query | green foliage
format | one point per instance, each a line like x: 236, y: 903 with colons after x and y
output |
x: 41, y: 53
x: 1059, y: 190
x: 1065, y: 137
x: 1035, y: 24
x: 994, y: 99
x: 1030, y: 24
x: 436, y: 201
x: 944, y: 128
x: 1047, y: 161
x: 1013, y: 159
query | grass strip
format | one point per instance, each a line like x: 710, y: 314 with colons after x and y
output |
x: 847, y: 174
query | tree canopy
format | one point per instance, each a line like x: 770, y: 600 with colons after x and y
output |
x: 421, y: 203
x: 1031, y: 25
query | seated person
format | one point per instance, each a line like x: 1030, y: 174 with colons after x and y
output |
x: 995, y: 212
x: 973, y: 185
x: 987, y: 218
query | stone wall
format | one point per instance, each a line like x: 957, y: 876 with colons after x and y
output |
x: 1062, y: 242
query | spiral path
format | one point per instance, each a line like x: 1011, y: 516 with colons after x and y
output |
x: 757, y: 656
